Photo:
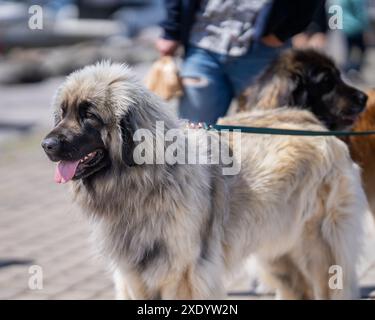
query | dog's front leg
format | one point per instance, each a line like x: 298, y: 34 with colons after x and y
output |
x: 121, y: 286
x: 129, y: 286
x: 188, y: 285
x: 194, y: 284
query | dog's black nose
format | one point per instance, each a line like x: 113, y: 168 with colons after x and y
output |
x: 51, y: 144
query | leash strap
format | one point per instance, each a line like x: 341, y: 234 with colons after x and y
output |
x: 286, y: 132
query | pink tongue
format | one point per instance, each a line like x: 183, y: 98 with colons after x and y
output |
x: 65, y: 171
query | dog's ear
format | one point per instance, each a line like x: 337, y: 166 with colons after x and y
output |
x: 299, y: 94
x: 127, y: 127
x: 300, y: 98
x: 278, y: 92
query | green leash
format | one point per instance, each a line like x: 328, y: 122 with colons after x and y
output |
x: 286, y: 132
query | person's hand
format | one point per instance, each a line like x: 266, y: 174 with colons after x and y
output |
x: 318, y: 41
x: 300, y: 41
x: 166, y: 47
x: 272, y: 41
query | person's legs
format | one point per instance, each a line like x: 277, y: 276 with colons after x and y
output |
x: 242, y: 71
x: 207, y: 90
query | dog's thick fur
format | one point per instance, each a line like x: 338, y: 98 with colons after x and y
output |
x: 180, y: 231
x: 362, y: 148
x: 308, y: 80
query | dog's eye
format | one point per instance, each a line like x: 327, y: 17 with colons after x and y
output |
x: 326, y: 79
x: 84, y: 110
x: 325, y: 82
x: 90, y: 115
x: 322, y: 77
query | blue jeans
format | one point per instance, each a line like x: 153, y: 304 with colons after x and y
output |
x: 212, y: 80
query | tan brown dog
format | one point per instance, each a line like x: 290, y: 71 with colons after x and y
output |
x: 362, y: 148
x: 308, y: 80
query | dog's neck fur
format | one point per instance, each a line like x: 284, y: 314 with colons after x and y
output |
x: 150, y: 197
x: 142, y: 194
x: 139, y: 182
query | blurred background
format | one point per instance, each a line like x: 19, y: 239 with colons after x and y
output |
x: 39, y: 226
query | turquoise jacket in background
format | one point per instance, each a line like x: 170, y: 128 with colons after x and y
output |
x: 355, y: 16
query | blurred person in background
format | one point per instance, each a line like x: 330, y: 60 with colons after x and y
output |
x: 315, y: 35
x: 226, y: 44
x: 355, y: 23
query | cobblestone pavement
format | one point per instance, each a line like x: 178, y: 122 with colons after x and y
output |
x: 40, y: 226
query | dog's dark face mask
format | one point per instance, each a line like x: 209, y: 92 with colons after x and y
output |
x: 76, y: 143
x: 320, y: 88
x: 314, y: 83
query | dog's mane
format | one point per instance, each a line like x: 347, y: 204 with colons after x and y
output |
x: 274, y: 87
x: 133, y: 107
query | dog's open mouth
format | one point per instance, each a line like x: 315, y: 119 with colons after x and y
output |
x: 77, y: 169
